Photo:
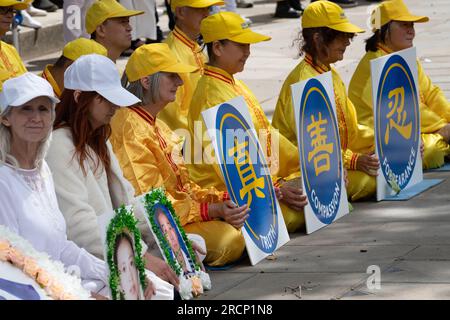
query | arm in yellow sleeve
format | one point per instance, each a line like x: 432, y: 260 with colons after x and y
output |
x: 199, y: 194
x: 284, y: 158
x: 365, y: 110
x: 140, y: 166
x: 283, y: 117
x: 432, y: 95
x: 360, y: 137
x: 350, y: 159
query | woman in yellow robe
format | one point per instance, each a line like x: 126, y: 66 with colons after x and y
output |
x: 393, y: 26
x: 326, y: 34
x: 149, y: 154
x: 227, y: 53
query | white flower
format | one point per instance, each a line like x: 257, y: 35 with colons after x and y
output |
x: 185, y: 288
x: 206, y: 280
x: 70, y: 283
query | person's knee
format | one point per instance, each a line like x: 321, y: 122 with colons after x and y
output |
x: 228, y: 248
x: 433, y: 157
x: 294, y: 220
x: 361, y: 187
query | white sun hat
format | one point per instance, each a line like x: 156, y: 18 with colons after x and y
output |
x: 94, y: 72
x: 21, y: 89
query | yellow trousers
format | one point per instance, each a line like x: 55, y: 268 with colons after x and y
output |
x: 224, y: 243
x: 294, y: 220
x: 435, y: 150
x: 360, y: 185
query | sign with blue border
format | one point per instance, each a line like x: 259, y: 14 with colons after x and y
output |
x: 396, y: 122
x: 247, y: 176
x: 320, y: 151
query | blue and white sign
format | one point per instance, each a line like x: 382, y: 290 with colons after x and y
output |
x: 247, y: 176
x: 320, y: 151
x: 16, y: 285
x: 396, y: 122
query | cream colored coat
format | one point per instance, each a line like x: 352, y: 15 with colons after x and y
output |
x: 84, y: 197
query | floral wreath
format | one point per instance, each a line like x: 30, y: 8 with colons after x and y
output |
x: 123, y: 222
x: 151, y: 199
x: 49, y: 274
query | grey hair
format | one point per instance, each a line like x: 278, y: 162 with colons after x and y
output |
x: 136, y: 88
x: 6, y: 138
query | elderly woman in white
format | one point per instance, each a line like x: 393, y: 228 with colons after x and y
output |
x: 29, y: 205
x: 27, y: 195
x: 88, y: 179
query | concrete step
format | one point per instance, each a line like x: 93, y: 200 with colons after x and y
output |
x: 35, y: 43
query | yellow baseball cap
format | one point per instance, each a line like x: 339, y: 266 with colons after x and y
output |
x: 106, y: 9
x: 18, y: 5
x: 81, y: 46
x: 327, y: 14
x: 195, y: 3
x: 393, y: 10
x: 230, y: 26
x: 152, y: 58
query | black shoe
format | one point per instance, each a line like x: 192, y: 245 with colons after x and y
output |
x: 291, y: 14
x: 284, y: 10
x: 59, y: 3
x: 45, y: 5
x: 346, y: 3
x: 295, y: 4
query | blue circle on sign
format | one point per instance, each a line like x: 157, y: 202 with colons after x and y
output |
x: 320, y: 152
x: 247, y: 176
x: 397, y: 121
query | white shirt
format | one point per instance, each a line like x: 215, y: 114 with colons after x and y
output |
x: 84, y: 196
x: 30, y: 209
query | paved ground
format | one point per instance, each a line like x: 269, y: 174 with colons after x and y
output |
x: 409, y: 241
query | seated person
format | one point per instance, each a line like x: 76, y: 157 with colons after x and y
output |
x: 88, y: 178
x: 325, y: 35
x: 228, y: 51
x: 145, y: 147
x: 395, y: 33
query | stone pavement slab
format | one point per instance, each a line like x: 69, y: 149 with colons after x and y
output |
x: 330, y: 258
x: 408, y: 240
x: 287, y: 286
x: 401, y: 291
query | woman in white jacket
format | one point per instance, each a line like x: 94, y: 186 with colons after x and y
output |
x: 88, y: 178
x: 27, y: 195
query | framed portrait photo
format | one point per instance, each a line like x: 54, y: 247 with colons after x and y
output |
x: 127, y: 280
x: 174, y: 244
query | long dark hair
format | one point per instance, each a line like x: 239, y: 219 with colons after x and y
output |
x: 379, y: 36
x: 306, y: 44
x: 75, y: 116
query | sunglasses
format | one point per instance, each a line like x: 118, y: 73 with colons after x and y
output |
x: 7, y: 10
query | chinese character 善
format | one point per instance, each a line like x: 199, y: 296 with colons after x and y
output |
x: 322, y: 150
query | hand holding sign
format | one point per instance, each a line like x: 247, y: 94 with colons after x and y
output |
x: 368, y: 163
x: 229, y: 212
x: 445, y: 132
x: 293, y: 197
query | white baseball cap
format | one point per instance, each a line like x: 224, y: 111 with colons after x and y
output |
x: 21, y: 89
x: 94, y: 72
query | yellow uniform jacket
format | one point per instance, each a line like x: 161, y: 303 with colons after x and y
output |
x: 355, y: 138
x: 434, y: 107
x: 189, y: 52
x: 10, y: 61
x: 215, y: 87
x: 147, y: 151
